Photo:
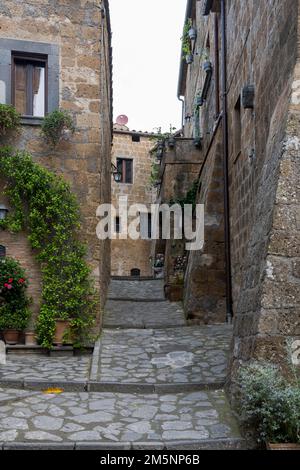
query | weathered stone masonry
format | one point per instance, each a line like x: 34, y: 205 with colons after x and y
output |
x: 75, y: 36
x: 262, y: 52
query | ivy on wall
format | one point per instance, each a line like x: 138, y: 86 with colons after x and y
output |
x: 45, y: 206
x: 189, y: 198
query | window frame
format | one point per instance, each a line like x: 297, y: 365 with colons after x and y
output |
x: 30, y: 57
x: 123, y: 172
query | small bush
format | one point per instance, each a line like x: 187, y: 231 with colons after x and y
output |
x: 55, y: 124
x: 9, y: 118
x: 269, y: 403
x: 14, y: 311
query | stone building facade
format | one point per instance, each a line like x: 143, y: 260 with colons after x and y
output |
x: 241, y: 97
x: 131, y: 155
x: 71, y: 44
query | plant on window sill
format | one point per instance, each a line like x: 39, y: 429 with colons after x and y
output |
x: 9, y: 119
x: 52, y: 220
x: 186, y: 48
x: 56, y: 125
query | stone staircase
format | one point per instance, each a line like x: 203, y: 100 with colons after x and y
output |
x: 152, y: 383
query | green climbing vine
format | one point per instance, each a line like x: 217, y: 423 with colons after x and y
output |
x: 45, y: 206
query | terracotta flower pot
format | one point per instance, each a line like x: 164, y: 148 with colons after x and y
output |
x: 11, y: 336
x: 60, y: 328
x: 283, y: 446
x: 30, y: 338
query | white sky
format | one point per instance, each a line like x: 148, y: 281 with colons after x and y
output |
x: 146, y: 58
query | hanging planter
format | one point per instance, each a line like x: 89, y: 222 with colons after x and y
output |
x: 192, y: 34
x: 207, y: 66
x: 171, y: 142
x: 189, y: 58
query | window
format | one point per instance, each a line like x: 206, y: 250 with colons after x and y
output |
x: 29, y: 84
x: 117, y: 225
x: 2, y: 251
x: 135, y: 138
x: 125, y: 168
x: 135, y: 272
x: 237, y: 129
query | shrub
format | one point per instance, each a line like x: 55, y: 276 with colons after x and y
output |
x: 269, y: 403
x: 45, y: 206
x: 55, y: 124
x: 9, y: 118
x: 14, y: 311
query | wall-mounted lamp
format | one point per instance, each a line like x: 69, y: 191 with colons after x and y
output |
x: 3, y: 211
x: 117, y: 175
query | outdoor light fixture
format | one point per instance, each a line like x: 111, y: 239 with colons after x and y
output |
x: 3, y: 211
x: 116, y: 173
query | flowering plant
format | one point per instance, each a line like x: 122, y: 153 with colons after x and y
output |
x: 14, y: 311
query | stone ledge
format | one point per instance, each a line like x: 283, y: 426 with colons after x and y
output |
x: 205, y: 444
x: 96, y: 386
x: 135, y: 299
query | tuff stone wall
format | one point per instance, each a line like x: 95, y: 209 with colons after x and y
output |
x: 81, y: 31
x: 263, y: 170
x: 130, y: 254
x: 179, y: 169
x: 205, y: 287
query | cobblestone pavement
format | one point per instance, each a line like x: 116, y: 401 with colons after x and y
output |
x: 136, y: 290
x: 116, y: 417
x: 129, y: 314
x: 174, y: 355
x: 45, y: 368
x: 152, y: 350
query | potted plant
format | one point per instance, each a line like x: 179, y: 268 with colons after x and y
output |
x: 56, y: 125
x: 61, y: 336
x: 192, y: 33
x: 14, y: 304
x: 270, y: 404
x: 189, y: 58
x: 186, y: 48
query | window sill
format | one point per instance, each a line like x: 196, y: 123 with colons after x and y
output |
x: 32, y: 120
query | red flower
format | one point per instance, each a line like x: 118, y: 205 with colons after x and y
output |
x: 8, y: 286
x: 21, y: 281
x: 10, y: 280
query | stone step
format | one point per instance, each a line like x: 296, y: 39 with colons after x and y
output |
x: 191, y: 419
x: 205, y: 444
x: 136, y: 289
x: 183, y: 355
x: 145, y: 314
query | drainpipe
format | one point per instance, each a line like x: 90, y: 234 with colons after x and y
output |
x: 182, y: 112
x: 229, y: 310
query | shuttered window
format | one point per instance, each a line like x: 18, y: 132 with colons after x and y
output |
x: 29, y: 80
x: 125, y: 167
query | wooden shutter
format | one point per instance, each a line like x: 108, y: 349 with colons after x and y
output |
x: 128, y: 171
x: 20, y: 87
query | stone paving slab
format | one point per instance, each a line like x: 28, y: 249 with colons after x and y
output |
x: 32, y: 368
x: 196, y: 354
x: 126, y: 289
x: 131, y: 314
x: 116, y: 417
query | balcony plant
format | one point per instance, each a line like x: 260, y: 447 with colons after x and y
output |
x: 9, y: 119
x: 186, y: 47
x: 270, y: 404
x: 14, y: 303
x: 56, y: 125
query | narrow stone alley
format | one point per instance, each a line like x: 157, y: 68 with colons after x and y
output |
x: 152, y: 382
